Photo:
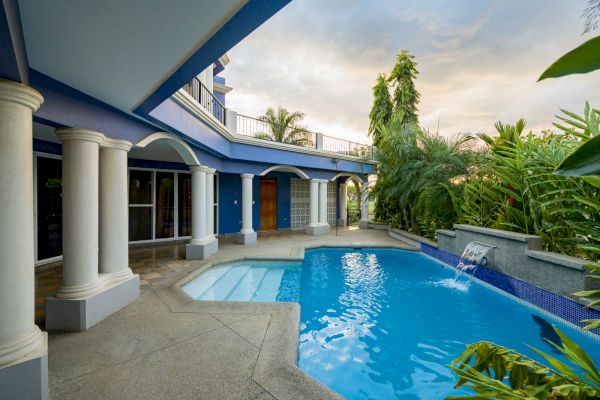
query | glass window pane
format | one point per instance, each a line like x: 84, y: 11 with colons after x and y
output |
x: 140, y: 187
x: 49, y: 203
x: 165, y: 205
x: 140, y: 223
x: 185, y: 204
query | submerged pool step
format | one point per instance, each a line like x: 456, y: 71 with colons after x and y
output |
x: 197, y: 287
x: 238, y: 282
x: 269, y: 286
x: 246, y: 286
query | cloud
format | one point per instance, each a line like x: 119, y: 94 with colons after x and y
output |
x: 478, y: 62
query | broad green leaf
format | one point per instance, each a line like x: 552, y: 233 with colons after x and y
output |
x: 581, y: 60
x: 585, y: 161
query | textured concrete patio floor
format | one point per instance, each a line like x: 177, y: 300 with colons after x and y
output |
x: 167, y: 346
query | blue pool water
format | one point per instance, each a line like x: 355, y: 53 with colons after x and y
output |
x: 384, y: 323
x: 248, y: 280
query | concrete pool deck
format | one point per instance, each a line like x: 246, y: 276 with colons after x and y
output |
x: 166, y: 345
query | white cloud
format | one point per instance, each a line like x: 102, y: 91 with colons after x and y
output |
x: 479, y: 62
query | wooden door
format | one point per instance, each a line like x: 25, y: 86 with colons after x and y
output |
x: 268, y: 204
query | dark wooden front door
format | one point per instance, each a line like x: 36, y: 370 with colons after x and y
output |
x: 268, y: 204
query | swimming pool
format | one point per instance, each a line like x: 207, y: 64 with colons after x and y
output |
x: 381, y: 323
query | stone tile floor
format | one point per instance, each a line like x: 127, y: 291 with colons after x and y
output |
x: 167, y: 346
x: 155, y: 263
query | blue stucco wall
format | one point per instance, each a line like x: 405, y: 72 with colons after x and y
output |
x: 230, y: 214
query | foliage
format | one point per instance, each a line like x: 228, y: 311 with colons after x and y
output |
x: 581, y: 60
x: 285, y: 127
x: 414, y: 167
x: 512, y: 186
x: 406, y: 96
x: 495, y: 372
x: 591, y: 15
x: 381, y: 112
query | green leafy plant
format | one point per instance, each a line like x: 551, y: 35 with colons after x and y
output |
x: 406, y: 97
x: 381, y: 112
x: 285, y: 127
x: 495, y: 372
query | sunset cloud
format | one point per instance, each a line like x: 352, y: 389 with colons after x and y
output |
x: 478, y: 62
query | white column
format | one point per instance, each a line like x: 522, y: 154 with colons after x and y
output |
x: 323, y: 202
x: 19, y: 335
x: 114, y: 210
x: 198, y: 204
x: 343, y: 204
x: 210, y: 203
x: 314, y: 202
x: 364, y: 212
x: 80, y: 171
x: 247, y: 204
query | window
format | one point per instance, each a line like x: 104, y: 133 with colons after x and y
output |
x: 49, y: 207
x: 140, y: 205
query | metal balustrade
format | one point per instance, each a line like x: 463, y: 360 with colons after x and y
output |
x: 202, y: 95
x: 259, y: 128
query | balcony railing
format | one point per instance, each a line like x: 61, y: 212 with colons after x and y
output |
x: 259, y: 128
x: 256, y: 127
x: 202, y: 95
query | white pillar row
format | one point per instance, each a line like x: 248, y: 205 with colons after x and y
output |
x: 80, y: 171
x: 364, y: 204
x: 247, y: 234
x: 323, y: 202
x: 114, y: 211
x: 19, y: 336
x: 210, y: 203
x: 343, y: 220
x: 198, y: 204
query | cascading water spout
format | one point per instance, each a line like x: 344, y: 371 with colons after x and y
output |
x: 472, y: 256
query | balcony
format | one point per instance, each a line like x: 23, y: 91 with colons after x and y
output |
x: 259, y: 130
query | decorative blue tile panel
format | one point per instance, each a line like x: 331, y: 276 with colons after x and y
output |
x: 560, y: 306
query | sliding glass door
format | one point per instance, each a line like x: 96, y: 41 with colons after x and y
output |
x: 49, y: 207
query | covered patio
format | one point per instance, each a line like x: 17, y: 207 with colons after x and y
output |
x: 161, y: 346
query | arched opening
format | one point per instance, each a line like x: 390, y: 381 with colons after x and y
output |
x: 350, y: 190
x: 275, y: 196
x: 160, y: 188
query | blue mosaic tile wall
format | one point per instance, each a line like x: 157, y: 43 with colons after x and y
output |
x: 560, y: 306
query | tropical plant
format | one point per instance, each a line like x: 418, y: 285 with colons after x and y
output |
x: 414, y: 166
x: 406, y: 96
x: 285, y: 127
x: 495, y: 372
x: 381, y: 112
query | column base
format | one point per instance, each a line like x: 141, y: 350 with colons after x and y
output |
x: 201, y: 251
x: 27, y: 378
x: 342, y: 222
x: 83, y: 313
x: 247, y: 238
x: 317, y: 230
x: 363, y: 224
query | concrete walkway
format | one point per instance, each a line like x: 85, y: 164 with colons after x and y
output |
x: 167, y: 346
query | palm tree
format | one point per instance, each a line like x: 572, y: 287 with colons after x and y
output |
x: 285, y: 127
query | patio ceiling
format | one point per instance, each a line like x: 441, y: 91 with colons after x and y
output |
x: 121, y: 52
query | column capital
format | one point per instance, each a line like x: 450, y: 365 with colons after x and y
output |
x: 211, y: 171
x: 247, y: 176
x: 109, y: 143
x: 88, y: 135
x: 21, y: 94
x: 199, y: 168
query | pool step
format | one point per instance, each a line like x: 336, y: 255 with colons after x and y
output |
x: 269, y: 286
x: 237, y: 283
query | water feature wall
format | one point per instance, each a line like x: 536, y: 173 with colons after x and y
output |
x: 520, y: 256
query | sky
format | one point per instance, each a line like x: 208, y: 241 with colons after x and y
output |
x: 479, y: 61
